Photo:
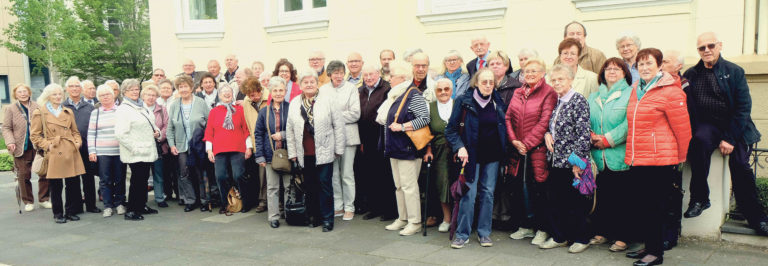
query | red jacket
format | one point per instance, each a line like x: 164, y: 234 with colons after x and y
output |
x: 659, y: 127
x: 226, y: 140
x: 527, y: 120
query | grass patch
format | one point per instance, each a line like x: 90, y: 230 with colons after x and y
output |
x: 762, y: 192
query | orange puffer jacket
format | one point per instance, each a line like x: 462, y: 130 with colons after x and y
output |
x: 659, y: 128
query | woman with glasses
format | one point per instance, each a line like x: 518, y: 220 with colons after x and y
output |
x: 285, y: 70
x: 453, y: 70
x: 585, y: 81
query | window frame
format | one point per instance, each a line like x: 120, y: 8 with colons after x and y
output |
x: 597, y: 5
x: 277, y: 20
x: 187, y: 28
x: 432, y: 12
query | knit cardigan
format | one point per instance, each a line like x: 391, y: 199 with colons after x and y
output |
x: 135, y: 132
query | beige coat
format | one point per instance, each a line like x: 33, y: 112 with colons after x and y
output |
x: 15, y: 126
x: 64, y: 158
x: 251, y: 115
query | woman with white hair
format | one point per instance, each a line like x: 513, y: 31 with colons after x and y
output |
x: 54, y: 132
x: 315, y: 134
x: 439, y: 151
x: 104, y: 150
x: 150, y: 95
x: 137, y: 134
x: 522, y: 58
x: 453, y: 70
x: 628, y: 44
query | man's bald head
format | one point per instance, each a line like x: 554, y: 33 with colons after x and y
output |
x: 188, y: 66
x: 354, y: 64
x: 214, y: 67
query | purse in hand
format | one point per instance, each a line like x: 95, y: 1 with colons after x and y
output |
x: 280, y: 161
x: 420, y: 137
x: 40, y: 163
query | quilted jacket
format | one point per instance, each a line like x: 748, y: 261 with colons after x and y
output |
x: 608, y: 117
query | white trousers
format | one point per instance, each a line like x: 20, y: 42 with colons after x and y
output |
x: 344, y: 180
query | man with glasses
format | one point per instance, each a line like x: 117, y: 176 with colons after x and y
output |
x: 720, y: 105
x: 317, y: 63
x: 158, y: 74
x: 355, y: 67
x: 590, y: 59
x: 420, y: 63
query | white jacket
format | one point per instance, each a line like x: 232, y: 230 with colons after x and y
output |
x: 329, y: 130
x: 348, y: 103
x: 135, y: 133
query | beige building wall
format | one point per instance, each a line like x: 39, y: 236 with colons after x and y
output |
x: 12, y: 64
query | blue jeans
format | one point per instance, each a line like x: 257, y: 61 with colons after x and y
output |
x: 157, y: 176
x: 485, y: 175
x: 111, y: 180
x: 224, y: 162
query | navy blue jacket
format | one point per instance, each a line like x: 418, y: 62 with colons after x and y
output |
x: 397, y: 144
x: 469, y: 138
x: 263, y: 147
x: 733, y: 83
x: 82, y: 118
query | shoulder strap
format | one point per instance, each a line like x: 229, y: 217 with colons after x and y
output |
x: 18, y: 104
x: 402, y: 102
x: 269, y: 132
x: 96, y: 130
x: 45, y: 127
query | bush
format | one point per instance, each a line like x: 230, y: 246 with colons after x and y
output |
x: 762, y: 192
x: 6, y: 162
x: 2, y: 144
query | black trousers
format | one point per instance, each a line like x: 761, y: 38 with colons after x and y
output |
x: 137, y: 193
x: 72, y: 192
x: 706, y: 139
x: 319, y: 189
x: 612, y: 213
x: 567, y: 215
x: 88, y: 195
x: 529, y: 203
x: 374, y: 185
x: 249, y: 183
x: 170, y: 175
x: 652, y: 185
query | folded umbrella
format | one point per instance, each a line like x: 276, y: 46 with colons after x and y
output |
x: 586, y: 182
x: 458, y: 189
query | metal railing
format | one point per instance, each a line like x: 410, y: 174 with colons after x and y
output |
x: 759, y: 159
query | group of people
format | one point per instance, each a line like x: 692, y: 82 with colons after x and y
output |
x: 522, y: 150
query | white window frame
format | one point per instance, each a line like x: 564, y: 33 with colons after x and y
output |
x: 306, y: 19
x: 453, y: 11
x: 597, y: 5
x: 187, y: 28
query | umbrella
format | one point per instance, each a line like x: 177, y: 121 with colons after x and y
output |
x: 526, y: 196
x: 586, y: 182
x: 426, y: 199
x: 18, y: 194
x: 458, y: 189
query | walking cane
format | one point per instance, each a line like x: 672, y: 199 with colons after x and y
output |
x: 426, y: 199
x: 526, y: 199
x: 18, y: 193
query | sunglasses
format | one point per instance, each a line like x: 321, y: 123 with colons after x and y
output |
x: 711, y: 46
x: 439, y: 90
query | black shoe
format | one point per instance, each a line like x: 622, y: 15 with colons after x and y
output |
x: 327, y: 226
x: 274, y: 224
x: 60, y: 219
x: 181, y: 203
x: 359, y: 210
x: 245, y: 209
x: 72, y: 217
x: 204, y: 208
x: 370, y: 215
x: 148, y: 210
x: 385, y: 218
x: 696, y: 208
x: 133, y: 216
x: 223, y: 210
x: 93, y: 210
x: 162, y: 204
x: 762, y: 229
x: 669, y: 245
x: 637, y: 254
x: 190, y: 207
x: 657, y: 261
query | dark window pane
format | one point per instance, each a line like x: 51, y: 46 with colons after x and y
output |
x: 318, y: 3
x: 202, y: 9
x: 293, y: 5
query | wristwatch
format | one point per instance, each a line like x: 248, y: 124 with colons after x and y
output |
x: 402, y: 127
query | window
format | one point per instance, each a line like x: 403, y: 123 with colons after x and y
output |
x: 4, y: 92
x: 596, y: 5
x: 454, y: 11
x: 199, y: 19
x: 295, y: 15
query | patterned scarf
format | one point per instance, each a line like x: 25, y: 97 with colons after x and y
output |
x: 309, y: 104
x: 228, y: 125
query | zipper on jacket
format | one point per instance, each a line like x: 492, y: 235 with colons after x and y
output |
x: 634, y: 125
x: 653, y: 136
x: 602, y: 132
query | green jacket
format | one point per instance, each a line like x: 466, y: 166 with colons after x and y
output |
x: 608, y: 117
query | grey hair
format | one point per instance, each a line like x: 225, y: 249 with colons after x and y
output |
x: 111, y: 81
x: 628, y: 35
x: 450, y: 54
x: 399, y: 69
x: 266, y: 74
x: 680, y: 58
x: 307, y: 74
x: 156, y: 69
x: 560, y: 68
x: 87, y: 81
x: 129, y: 83
x: 47, y: 91
x: 73, y: 79
x: 410, y: 52
x: 274, y: 82
x: 370, y: 68
x: 334, y: 66
x: 102, y: 88
x: 225, y: 86
x: 528, y: 52
x: 150, y: 87
x: 450, y: 83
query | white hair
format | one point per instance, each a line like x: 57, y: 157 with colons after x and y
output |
x: 307, y: 74
x: 104, y: 88
x: 450, y: 83
x: 73, y: 79
x: 678, y: 56
x: 528, y: 52
x: 47, y: 91
x: 560, y: 68
x: 111, y: 81
x: 410, y: 52
x: 628, y: 35
x: 265, y: 74
x: 400, y: 69
x: 274, y: 82
x: 87, y: 81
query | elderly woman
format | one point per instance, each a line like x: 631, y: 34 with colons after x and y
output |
x: 257, y: 67
x: 568, y: 134
x: 453, y: 70
x: 285, y: 70
x: 167, y: 92
x: 170, y: 164
x: 498, y: 62
x: 527, y: 119
x: 628, y: 43
x: 659, y: 132
x: 59, y: 140
x: 137, y: 135
x: 270, y: 135
x: 409, y: 112
x: 253, y: 102
x: 478, y: 136
x: 149, y: 96
x: 608, y: 121
x: 315, y: 136
x: 187, y: 115
x: 439, y: 150
x: 522, y: 57
x: 104, y: 150
x: 584, y: 81
x: 227, y: 142
x: 16, y: 134
x: 209, y: 91
x: 348, y: 105
x: 264, y: 80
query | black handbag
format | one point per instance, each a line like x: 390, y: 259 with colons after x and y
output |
x: 296, y: 204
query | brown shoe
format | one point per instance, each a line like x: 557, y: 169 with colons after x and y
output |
x: 260, y: 209
x: 431, y: 221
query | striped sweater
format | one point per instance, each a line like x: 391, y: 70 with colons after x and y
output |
x: 101, y: 133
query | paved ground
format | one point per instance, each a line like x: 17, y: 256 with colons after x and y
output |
x: 177, y: 238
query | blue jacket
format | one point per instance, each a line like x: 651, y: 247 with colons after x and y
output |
x: 731, y: 80
x: 263, y: 147
x: 82, y: 117
x: 468, y: 139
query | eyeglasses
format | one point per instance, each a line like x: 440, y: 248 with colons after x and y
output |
x: 711, y: 46
x: 284, y: 71
x: 354, y: 61
x: 626, y: 46
x: 531, y: 71
x: 486, y: 82
x: 439, y: 90
x: 613, y: 69
x: 316, y: 59
x: 452, y: 60
x: 420, y: 66
x: 568, y: 53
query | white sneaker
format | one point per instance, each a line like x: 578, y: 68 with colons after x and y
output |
x: 107, y: 212
x: 396, y: 225
x: 578, y: 248
x: 552, y: 244
x: 120, y: 210
x: 521, y: 233
x: 46, y: 204
x: 444, y: 227
x: 410, y: 229
x: 29, y: 207
x: 541, y: 236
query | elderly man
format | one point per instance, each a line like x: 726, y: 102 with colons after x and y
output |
x: 720, y: 106
x: 480, y: 47
x: 157, y: 75
x: 231, y: 62
x: 386, y: 56
x: 355, y: 65
x: 189, y: 70
x: 89, y: 92
x: 672, y: 63
x: 82, y: 112
x: 240, y: 76
x: 373, y: 178
x: 215, y: 69
x: 420, y: 63
x: 317, y: 63
x: 591, y: 59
